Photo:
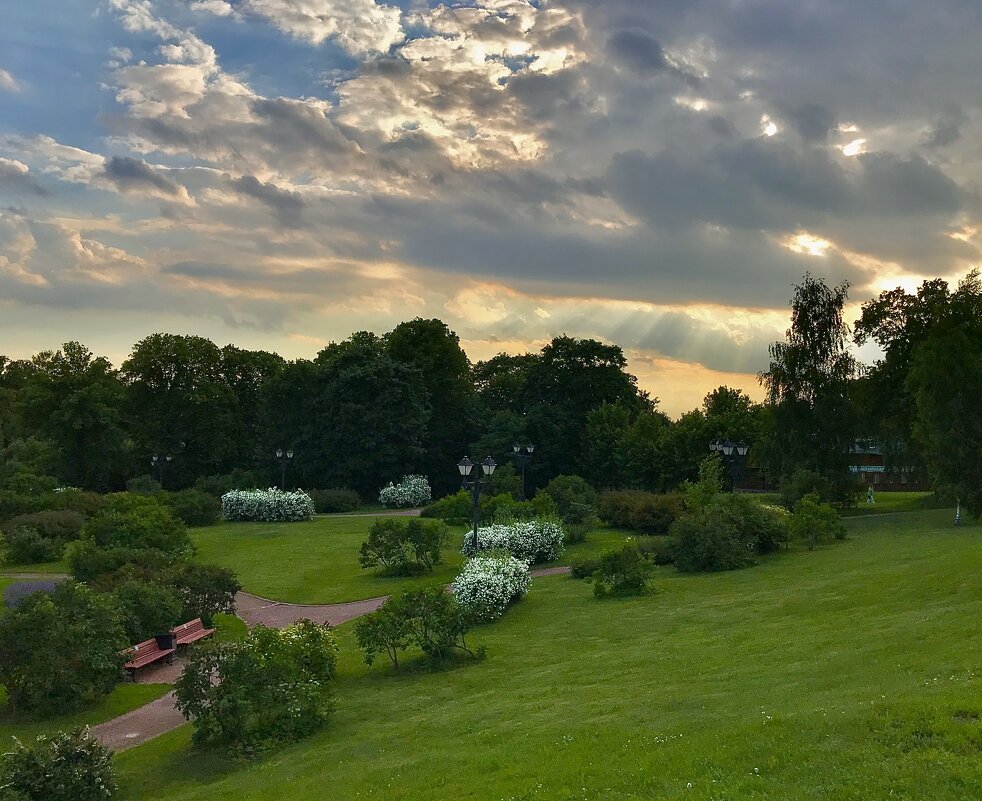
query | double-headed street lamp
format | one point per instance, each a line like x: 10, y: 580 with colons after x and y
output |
x: 466, y: 468
x: 283, y: 457
x: 732, y: 453
x: 523, y: 453
x: 158, y: 463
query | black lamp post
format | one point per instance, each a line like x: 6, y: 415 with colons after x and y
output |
x: 466, y: 467
x: 159, y: 462
x: 523, y: 453
x: 733, y: 454
x: 283, y: 457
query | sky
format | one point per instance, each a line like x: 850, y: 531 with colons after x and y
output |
x: 653, y: 173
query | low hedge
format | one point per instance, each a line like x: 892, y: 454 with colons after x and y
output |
x: 333, y: 501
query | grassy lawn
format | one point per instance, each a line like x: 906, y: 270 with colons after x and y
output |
x: 39, y: 567
x: 317, y: 561
x: 124, y: 698
x: 893, y: 502
x: 851, y: 672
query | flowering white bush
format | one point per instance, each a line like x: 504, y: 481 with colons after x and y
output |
x: 487, y: 584
x: 411, y: 491
x: 268, y: 506
x: 528, y: 540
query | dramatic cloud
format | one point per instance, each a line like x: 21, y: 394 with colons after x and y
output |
x: 657, y: 174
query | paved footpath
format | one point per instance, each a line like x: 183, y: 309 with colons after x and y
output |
x: 161, y: 716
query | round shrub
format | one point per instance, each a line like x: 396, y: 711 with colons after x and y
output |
x: 728, y: 533
x: 267, y: 506
x: 60, y: 767
x: 270, y: 688
x: 584, y: 566
x: 488, y: 584
x: 621, y: 573
x: 532, y: 541
x: 137, y: 521
x: 411, y: 492
x: 566, y: 491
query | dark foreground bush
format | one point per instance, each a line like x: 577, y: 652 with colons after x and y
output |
x: 621, y: 573
x: 334, y: 501
x: 729, y: 532
x: 271, y: 688
x: 429, y: 619
x: 61, y: 652
x: 147, y: 609
x: 59, y: 767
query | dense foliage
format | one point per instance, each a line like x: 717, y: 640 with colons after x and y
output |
x: 640, y: 511
x: 488, y: 584
x: 40, y: 536
x: 270, y: 688
x: 403, y: 546
x: 61, y: 651
x: 532, y: 541
x: 60, y: 767
x: 267, y: 506
x: 428, y: 619
x: 727, y: 533
x: 621, y: 572
x: 814, y: 522
x: 411, y: 491
x: 332, y: 501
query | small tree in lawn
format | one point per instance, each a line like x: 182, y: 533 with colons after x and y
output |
x: 428, y: 618
x: 403, y: 547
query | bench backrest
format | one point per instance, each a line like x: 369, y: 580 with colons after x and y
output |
x: 188, y: 628
x: 145, y: 647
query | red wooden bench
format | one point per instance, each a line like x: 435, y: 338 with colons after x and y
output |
x: 192, y: 631
x: 146, y: 653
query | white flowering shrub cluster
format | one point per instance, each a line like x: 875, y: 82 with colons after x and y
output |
x: 66, y: 766
x: 531, y: 541
x: 412, y: 491
x: 488, y: 584
x: 267, y: 506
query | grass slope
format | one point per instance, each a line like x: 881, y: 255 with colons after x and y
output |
x: 847, y: 673
x: 317, y: 561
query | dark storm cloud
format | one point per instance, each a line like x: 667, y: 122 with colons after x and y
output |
x: 133, y: 174
x: 813, y: 122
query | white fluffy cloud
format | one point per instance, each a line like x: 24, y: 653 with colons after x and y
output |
x: 359, y: 26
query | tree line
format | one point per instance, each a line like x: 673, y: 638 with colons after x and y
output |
x: 371, y: 408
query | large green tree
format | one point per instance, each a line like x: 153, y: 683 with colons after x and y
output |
x: 808, y: 386
x: 74, y: 400
x: 180, y: 404
x: 444, y: 377
x: 945, y: 385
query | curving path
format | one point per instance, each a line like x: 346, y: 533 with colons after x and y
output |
x: 161, y: 716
